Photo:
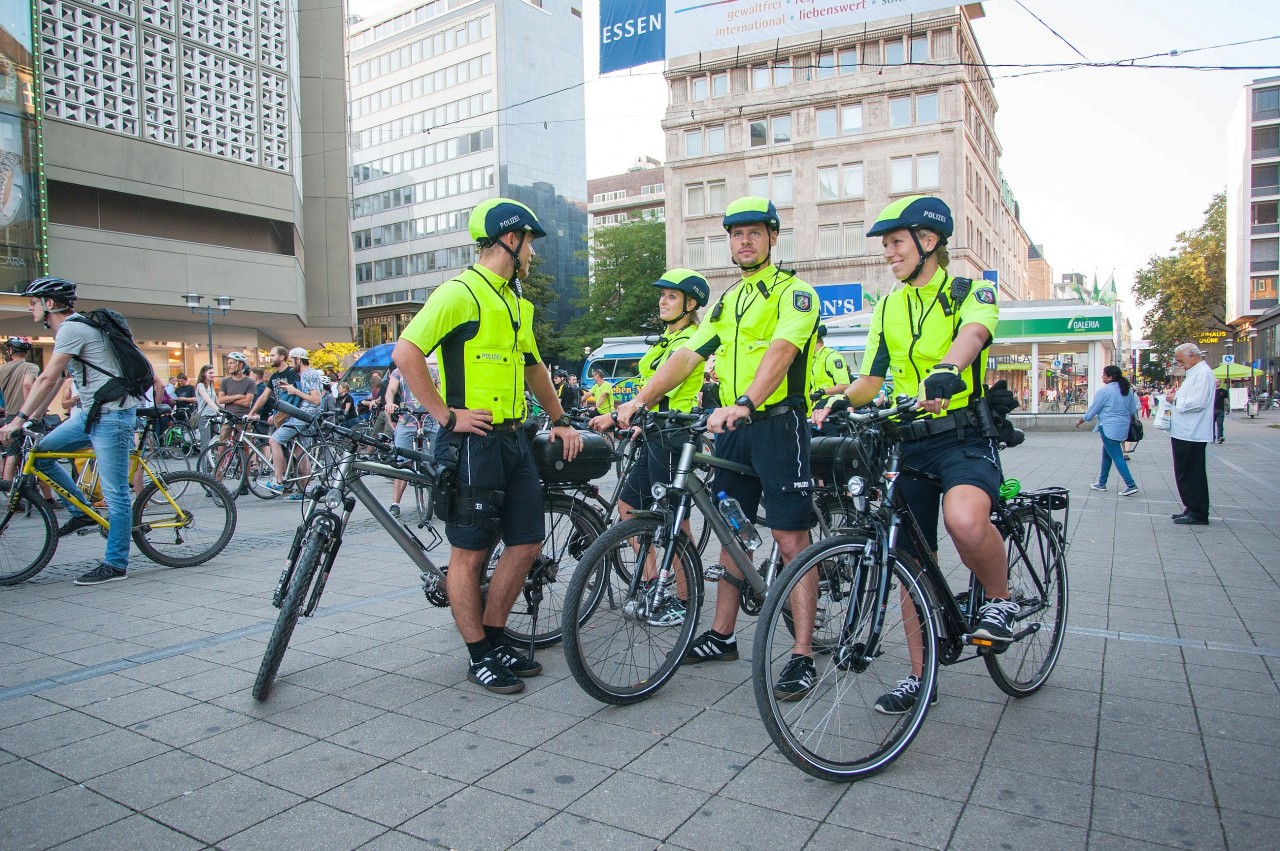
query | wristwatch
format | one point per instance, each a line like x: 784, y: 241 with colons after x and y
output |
x: 21, y: 416
x: 745, y: 401
x: 563, y: 422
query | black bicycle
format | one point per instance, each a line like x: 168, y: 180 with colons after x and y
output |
x: 873, y: 615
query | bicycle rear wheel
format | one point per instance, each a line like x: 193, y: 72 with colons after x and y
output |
x: 190, y: 526
x: 862, y: 616
x: 1038, y: 584
x: 571, y: 528
x: 28, y: 536
x: 304, y: 572
x: 227, y: 466
x: 611, y: 648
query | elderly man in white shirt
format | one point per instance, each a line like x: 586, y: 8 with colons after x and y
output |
x: 1190, y: 432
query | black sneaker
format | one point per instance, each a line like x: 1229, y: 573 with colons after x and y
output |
x: 708, y: 648
x: 902, y: 699
x: 491, y: 674
x: 100, y: 574
x: 797, y: 680
x: 517, y: 664
x: 75, y: 523
x: 994, y: 619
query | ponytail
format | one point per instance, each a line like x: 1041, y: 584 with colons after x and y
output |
x: 1115, y: 374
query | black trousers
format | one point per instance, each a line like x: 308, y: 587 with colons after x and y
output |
x: 1189, y: 472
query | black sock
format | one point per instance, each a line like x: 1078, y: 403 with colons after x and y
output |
x: 497, y: 635
x: 722, y: 637
x: 479, y: 649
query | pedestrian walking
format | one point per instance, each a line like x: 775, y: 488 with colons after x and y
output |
x: 1221, y: 397
x: 1190, y: 431
x: 1113, y: 406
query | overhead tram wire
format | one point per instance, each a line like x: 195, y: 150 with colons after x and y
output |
x: 1060, y: 36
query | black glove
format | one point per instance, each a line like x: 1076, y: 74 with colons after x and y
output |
x: 817, y: 395
x: 1001, y: 398
x: 943, y: 383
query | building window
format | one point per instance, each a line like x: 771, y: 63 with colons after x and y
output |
x: 900, y: 112
x: 651, y: 189
x: 928, y: 175
x: 844, y: 181
x: 828, y: 183
x: 715, y: 140
x: 1262, y: 292
x: 695, y: 203
x: 781, y: 129
x: 1266, y: 142
x: 842, y: 240
x: 693, y: 143
x: 782, y: 73
x: 920, y: 48
x: 826, y: 66
x: 853, y: 183
x: 1265, y: 179
x: 1264, y: 255
x: 783, y: 192
x: 1264, y: 218
x: 700, y: 89
x: 847, y: 60
x: 927, y: 108
x: 759, y: 133
x: 828, y: 241
x: 717, y: 198
x: 718, y: 251
x: 893, y: 52
x: 719, y: 85
x: 695, y: 253
x: 1266, y: 104
x: 759, y: 77
x: 851, y: 119
x: 900, y: 174
x: 828, y: 128
x: 786, y: 247
x: 758, y: 185
x: 855, y: 239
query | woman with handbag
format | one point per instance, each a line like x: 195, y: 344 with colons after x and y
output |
x: 1114, y: 406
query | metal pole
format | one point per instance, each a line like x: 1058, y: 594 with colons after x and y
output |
x: 209, y: 314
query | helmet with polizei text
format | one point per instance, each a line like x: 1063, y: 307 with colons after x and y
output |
x: 914, y: 212
x: 752, y: 210
x: 51, y: 286
x: 688, y: 282
x: 491, y: 219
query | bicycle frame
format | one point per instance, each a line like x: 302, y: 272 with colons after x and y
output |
x: 135, y: 461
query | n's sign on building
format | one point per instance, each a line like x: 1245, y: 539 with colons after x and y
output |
x: 633, y: 32
x: 839, y: 299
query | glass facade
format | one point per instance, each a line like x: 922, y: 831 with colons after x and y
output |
x: 22, y: 209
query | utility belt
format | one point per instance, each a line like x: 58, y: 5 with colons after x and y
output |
x: 770, y: 412
x: 975, y: 420
x: 459, y: 504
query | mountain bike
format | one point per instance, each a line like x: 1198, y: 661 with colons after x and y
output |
x: 244, y: 460
x: 875, y: 609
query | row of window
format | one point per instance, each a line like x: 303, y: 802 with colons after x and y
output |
x: 414, y: 16
x: 423, y: 49
x: 619, y: 194
x: 654, y: 214
x: 834, y: 183
x: 823, y: 66
x: 456, y: 257
x: 442, y: 151
x: 423, y: 226
x: 421, y: 122
x: 454, y: 75
x: 428, y: 190
x: 1266, y: 104
x: 842, y: 239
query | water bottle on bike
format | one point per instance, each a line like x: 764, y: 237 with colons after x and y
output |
x: 738, y: 521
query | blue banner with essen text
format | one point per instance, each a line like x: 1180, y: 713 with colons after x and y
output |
x: 631, y: 33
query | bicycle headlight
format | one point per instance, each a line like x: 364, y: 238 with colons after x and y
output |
x: 659, y: 491
x: 857, y: 485
x: 333, y: 499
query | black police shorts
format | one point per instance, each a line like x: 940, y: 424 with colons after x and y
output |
x: 502, y: 462
x: 777, y: 448
x: 971, y: 461
x: 655, y: 463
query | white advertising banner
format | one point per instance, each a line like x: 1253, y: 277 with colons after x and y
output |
x: 695, y: 26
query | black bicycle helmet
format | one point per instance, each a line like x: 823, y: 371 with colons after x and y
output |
x: 19, y: 344
x: 51, y: 286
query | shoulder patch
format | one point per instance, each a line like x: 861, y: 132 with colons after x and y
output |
x: 839, y: 363
x: 802, y: 301
x: 986, y: 295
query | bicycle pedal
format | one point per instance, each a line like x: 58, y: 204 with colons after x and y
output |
x: 713, y: 572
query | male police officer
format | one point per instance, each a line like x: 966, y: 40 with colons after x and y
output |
x: 761, y: 331
x: 484, y: 331
x: 829, y: 374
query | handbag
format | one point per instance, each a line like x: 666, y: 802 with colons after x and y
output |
x: 1135, y: 429
x: 1164, y: 415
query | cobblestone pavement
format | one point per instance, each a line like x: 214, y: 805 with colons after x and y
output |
x: 126, y: 719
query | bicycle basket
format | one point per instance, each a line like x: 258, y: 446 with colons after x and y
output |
x: 592, y: 462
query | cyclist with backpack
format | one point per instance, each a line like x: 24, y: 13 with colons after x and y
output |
x: 106, y: 379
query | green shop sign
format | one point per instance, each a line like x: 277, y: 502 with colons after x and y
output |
x: 1093, y: 326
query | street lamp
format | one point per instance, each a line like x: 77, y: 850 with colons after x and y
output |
x: 222, y: 305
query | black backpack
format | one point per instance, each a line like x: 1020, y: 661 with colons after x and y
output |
x: 136, y: 375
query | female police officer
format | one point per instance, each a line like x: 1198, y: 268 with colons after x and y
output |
x: 683, y: 291
x: 933, y: 334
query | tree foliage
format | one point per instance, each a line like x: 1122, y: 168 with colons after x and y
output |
x: 539, y: 288
x: 330, y: 355
x: 1185, y: 292
x: 619, y: 300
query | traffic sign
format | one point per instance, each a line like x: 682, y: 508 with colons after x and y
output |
x: 1057, y: 364
x: 1228, y: 358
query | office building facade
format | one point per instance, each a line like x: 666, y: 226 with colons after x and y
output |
x: 833, y: 126
x: 453, y: 103
x: 196, y: 148
x: 1253, y: 195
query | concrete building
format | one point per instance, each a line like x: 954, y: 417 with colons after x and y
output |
x: 1253, y: 193
x: 635, y: 194
x: 1039, y: 274
x: 832, y: 126
x: 453, y: 103
x: 1070, y: 285
x: 196, y: 148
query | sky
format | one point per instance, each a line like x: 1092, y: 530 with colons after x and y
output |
x: 1108, y: 165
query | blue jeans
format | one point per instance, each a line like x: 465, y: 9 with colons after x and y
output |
x: 111, y: 438
x: 1113, y: 452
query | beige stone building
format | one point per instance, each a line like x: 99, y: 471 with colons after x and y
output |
x: 833, y: 129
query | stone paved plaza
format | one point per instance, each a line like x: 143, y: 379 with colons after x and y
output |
x: 126, y: 719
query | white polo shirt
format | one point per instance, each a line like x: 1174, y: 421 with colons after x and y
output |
x: 1193, y: 406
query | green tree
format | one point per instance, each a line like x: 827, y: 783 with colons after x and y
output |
x: 1185, y: 292
x: 618, y: 300
x: 539, y: 288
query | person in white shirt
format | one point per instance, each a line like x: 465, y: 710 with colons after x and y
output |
x: 1190, y: 432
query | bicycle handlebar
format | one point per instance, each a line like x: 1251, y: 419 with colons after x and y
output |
x: 296, y: 412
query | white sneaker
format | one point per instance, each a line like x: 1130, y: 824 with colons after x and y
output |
x: 1097, y: 487
x: 1129, y: 491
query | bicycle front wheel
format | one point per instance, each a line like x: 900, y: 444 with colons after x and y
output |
x: 227, y: 466
x: 186, y: 523
x: 858, y: 623
x: 28, y: 536
x: 571, y: 528
x: 304, y: 571
x: 1038, y: 584
x: 617, y: 647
